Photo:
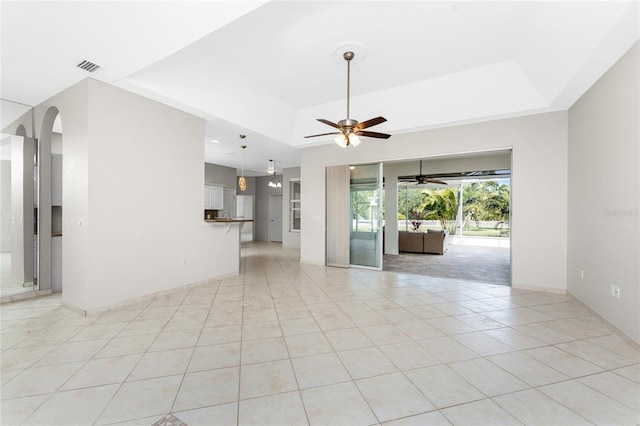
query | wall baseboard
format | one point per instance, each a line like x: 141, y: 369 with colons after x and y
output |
x: 148, y: 298
x: 543, y: 289
x: 310, y: 262
x: 616, y: 330
x: 26, y: 295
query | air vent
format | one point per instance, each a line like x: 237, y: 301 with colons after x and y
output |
x: 88, y: 66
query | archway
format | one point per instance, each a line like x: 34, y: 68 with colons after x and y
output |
x: 50, y: 216
x: 17, y: 251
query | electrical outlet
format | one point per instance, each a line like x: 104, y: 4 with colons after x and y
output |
x: 582, y: 274
x: 616, y: 292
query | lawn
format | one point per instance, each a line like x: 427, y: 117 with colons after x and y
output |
x: 486, y: 232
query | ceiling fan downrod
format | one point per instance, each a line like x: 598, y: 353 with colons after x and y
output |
x: 349, y: 130
x: 348, y: 124
x: 348, y: 56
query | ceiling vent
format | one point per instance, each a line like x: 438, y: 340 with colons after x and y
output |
x: 88, y: 66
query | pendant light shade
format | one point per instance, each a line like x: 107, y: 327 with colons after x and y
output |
x: 242, y: 182
x: 344, y: 141
x: 274, y: 182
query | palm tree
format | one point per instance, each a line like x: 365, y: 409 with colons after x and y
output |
x: 498, y: 204
x: 486, y: 200
x: 441, y: 205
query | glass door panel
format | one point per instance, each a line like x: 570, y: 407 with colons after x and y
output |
x: 365, y: 242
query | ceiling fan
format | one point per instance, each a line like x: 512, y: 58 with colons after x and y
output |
x: 350, y: 129
x: 420, y: 180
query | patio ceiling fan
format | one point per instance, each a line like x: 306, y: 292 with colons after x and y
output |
x: 420, y: 180
x: 350, y: 129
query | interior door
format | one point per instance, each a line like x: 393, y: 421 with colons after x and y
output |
x: 337, y: 215
x: 365, y: 242
x: 275, y: 218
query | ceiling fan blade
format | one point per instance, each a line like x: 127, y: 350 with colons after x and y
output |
x: 407, y: 179
x: 323, y: 134
x: 424, y: 180
x: 372, y: 134
x: 370, y: 123
x: 322, y: 120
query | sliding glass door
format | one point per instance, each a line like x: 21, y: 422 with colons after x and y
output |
x: 365, y: 239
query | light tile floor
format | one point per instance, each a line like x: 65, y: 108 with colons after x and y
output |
x: 285, y: 343
x: 9, y: 286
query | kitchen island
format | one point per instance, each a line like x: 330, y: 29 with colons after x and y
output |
x: 228, y: 222
x: 228, y: 225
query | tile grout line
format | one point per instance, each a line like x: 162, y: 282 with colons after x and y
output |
x: 349, y: 285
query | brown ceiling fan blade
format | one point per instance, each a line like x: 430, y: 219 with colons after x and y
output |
x: 439, y: 182
x: 323, y: 134
x: 372, y: 134
x: 370, y: 123
x: 407, y: 179
x: 322, y: 120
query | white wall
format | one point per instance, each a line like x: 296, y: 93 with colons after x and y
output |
x: 215, y: 174
x: 289, y: 239
x: 133, y: 177
x: 604, y: 195
x: 539, y: 179
x: 73, y: 104
x: 5, y: 207
x: 56, y: 143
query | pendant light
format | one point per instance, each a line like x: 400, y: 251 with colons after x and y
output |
x: 242, y: 182
x: 274, y: 182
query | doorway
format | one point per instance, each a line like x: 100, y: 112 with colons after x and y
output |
x: 454, y: 220
x: 365, y: 239
x: 275, y: 218
x: 18, y: 251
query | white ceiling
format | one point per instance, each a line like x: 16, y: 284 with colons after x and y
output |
x: 269, y: 69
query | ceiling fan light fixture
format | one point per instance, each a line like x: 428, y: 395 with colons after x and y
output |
x: 341, y: 140
x: 344, y: 141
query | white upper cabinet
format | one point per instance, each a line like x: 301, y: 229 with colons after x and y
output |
x: 213, y: 197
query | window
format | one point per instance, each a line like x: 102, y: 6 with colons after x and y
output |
x: 294, y: 205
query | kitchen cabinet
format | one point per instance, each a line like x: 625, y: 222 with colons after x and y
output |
x: 213, y: 197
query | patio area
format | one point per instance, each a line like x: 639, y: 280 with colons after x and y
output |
x: 485, y: 260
